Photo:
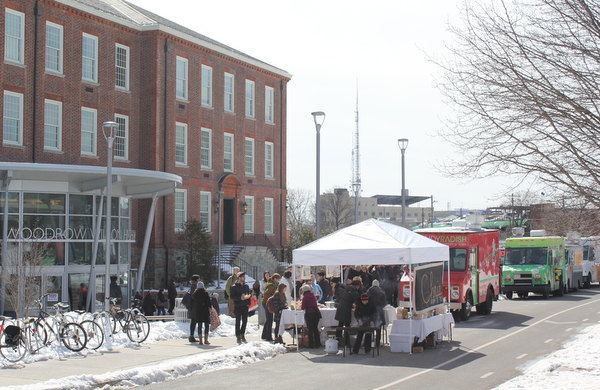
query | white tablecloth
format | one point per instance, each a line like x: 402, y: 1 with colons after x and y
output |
x: 422, y: 328
x: 288, y: 315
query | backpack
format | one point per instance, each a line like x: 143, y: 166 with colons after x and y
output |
x: 187, y: 300
x: 12, y: 335
x: 271, y: 305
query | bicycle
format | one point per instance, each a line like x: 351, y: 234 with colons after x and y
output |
x: 72, y: 335
x: 93, y: 330
x: 130, y: 321
x: 13, y: 343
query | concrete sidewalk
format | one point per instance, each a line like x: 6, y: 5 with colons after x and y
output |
x: 109, y: 361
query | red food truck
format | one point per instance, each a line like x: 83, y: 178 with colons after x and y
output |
x: 474, y: 267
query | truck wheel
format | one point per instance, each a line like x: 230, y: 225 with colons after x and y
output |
x: 546, y: 292
x: 509, y: 295
x: 486, y: 307
x: 465, y: 311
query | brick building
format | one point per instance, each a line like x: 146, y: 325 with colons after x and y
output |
x: 184, y: 104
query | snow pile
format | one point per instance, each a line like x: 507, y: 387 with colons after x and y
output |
x: 576, y: 366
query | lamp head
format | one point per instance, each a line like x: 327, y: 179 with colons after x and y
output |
x: 402, y: 143
x: 319, y: 117
x: 111, y: 129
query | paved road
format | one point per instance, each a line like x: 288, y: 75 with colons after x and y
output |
x: 485, y: 352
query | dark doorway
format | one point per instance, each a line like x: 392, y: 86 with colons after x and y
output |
x: 229, y: 221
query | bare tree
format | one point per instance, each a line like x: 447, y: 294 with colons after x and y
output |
x: 523, y: 79
x: 337, y: 208
x: 24, y: 275
x: 300, y: 217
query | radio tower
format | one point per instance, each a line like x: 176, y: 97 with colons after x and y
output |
x: 356, y: 182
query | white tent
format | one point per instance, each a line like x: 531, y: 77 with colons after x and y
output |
x: 371, y: 242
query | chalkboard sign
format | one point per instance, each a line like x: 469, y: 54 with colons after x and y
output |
x: 429, y: 290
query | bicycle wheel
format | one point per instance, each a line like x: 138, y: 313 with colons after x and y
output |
x: 13, y: 345
x: 116, y: 321
x: 73, y: 336
x: 138, y: 328
x: 94, y: 333
x: 38, y: 336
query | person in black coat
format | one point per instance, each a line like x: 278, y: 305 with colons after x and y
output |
x: 191, y: 314
x: 214, y: 301
x: 365, y: 316
x: 378, y: 300
x: 280, y: 303
x: 325, y: 287
x: 148, y: 306
x: 171, y: 295
x: 349, y: 299
x: 201, y: 301
x: 240, y: 295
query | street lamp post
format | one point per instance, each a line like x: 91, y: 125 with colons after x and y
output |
x: 402, y: 144
x: 110, y: 138
x: 319, y: 117
x: 219, y: 195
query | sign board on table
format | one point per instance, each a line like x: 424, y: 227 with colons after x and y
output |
x: 429, y: 288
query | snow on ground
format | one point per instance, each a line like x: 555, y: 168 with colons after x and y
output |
x: 577, y: 366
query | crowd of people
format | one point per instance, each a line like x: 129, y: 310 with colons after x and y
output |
x: 359, y: 293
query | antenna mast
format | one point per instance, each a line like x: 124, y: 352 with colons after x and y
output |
x: 356, y: 182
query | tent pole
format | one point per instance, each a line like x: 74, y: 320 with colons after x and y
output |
x: 412, y: 312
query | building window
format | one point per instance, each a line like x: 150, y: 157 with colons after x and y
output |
x: 180, y: 210
x: 269, y: 160
x: 249, y: 216
x: 206, y: 85
x: 89, y: 58
x: 228, y: 152
x: 121, y: 144
x: 14, y: 33
x: 205, y: 209
x: 52, y: 125
x: 182, y: 78
x: 269, y: 104
x: 249, y: 99
x: 268, y: 216
x: 122, y: 66
x: 181, y: 138
x: 228, y: 92
x: 89, y: 124
x: 13, y: 118
x: 249, y: 156
x: 54, y: 47
x: 206, y: 149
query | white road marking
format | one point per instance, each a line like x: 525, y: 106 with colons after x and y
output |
x: 547, y: 341
x: 521, y: 356
x: 486, y: 375
x: 568, y: 329
x: 585, y: 319
x: 474, y: 350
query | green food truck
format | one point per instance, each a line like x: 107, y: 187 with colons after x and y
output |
x: 534, y: 264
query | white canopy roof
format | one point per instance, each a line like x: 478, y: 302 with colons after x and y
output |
x: 371, y: 242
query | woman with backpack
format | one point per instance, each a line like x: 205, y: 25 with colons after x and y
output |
x: 276, y: 304
x: 161, y: 303
x: 270, y: 289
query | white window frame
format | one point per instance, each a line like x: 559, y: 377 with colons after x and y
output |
x: 205, y: 209
x: 249, y: 156
x: 12, y: 116
x: 181, y: 143
x: 249, y: 216
x: 121, y: 137
x: 269, y: 166
x: 250, y: 98
x: 207, y: 85
x: 51, y: 127
x: 180, y: 210
x: 181, y: 76
x: 205, y: 148
x: 269, y: 216
x: 53, y: 52
x: 229, y: 96
x: 17, y: 40
x: 269, y: 105
x: 91, y: 129
x: 91, y: 61
x: 228, y: 152
x: 122, y: 66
